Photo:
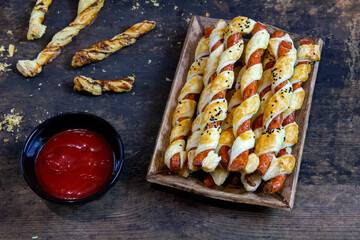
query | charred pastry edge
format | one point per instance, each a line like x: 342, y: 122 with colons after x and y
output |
x: 102, y: 50
x: 36, y: 28
x: 102, y: 85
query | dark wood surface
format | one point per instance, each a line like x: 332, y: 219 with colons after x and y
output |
x: 327, y: 204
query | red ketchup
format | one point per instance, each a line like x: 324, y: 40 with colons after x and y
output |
x: 74, y: 164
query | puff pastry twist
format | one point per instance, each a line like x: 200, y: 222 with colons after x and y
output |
x: 87, y: 12
x: 306, y: 54
x: 269, y: 143
x: 104, y: 49
x: 97, y: 87
x: 215, y: 109
x: 240, y: 161
x: 36, y: 28
x: 175, y: 155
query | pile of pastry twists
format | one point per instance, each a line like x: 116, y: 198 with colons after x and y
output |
x: 244, y: 121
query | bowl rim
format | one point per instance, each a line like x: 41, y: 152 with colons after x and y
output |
x: 94, y: 196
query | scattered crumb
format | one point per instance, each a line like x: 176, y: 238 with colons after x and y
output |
x: 156, y: 4
x: 11, y: 120
x: 187, y: 20
x: 2, y: 49
x: 149, y: 61
x: 179, y: 43
x: 11, y: 50
x: 23, y: 42
x: 34, y: 237
x: 136, y: 6
x: 168, y: 79
x: 103, y: 70
x: 133, y: 93
x: 9, y: 32
x: 159, y: 35
x: 175, y: 7
x: 207, y: 14
x: 3, y: 67
x: 6, y: 140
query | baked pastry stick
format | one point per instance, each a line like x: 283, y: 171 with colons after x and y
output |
x: 269, y: 143
x: 36, y: 28
x: 29, y: 68
x: 103, y: 49
x: 223, y: 149
x: 240, y: 160
x: 175, y: 155
x: 97, y: 87
x: 265, y: 93
x: 216, y: 47
x: 216, y: 109
x: 276, y: 174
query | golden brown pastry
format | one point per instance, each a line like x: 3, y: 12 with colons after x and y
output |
x: 175, y: 155
x: 245, y: 137
x: 285, y: 162
x: 213, y: 102
x: 269, y: 143
x: 30, y: 68
x: 97, y: 87
x: 103, y: 49
x: 36, y: 28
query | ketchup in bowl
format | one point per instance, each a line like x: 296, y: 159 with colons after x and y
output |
x: 74, y: 164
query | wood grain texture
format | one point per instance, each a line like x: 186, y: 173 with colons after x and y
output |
x: 327, y: 202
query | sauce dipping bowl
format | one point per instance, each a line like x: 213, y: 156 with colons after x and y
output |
x: 60, y: 123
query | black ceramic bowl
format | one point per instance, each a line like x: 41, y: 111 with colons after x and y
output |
x: 60, y: 123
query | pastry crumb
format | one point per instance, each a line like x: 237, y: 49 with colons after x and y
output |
x: 156, y: 4
x: 178, y: 43
x: 3, y: 67
x: 11, y: 121
x: 103, y: 70
x: 11, y: 50
x: 207, y: 14
x: 187, y: 20
x: 133, y: 93
x: 6, y: 140
x: 168, y: 79
x: 149, y: 61
x: 2, y: 48
x: 9, y: 32
x: 175, y: 7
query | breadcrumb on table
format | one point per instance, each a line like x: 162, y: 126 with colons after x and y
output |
x: 11, y: 121
x: 11, y: 50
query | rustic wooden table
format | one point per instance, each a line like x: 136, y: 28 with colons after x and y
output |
x: 327, y: 204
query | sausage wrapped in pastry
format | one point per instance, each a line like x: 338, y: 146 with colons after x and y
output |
x: 175, y: 155
x: 285, y: 162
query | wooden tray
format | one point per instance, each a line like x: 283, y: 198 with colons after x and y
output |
x: 159, y: 173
